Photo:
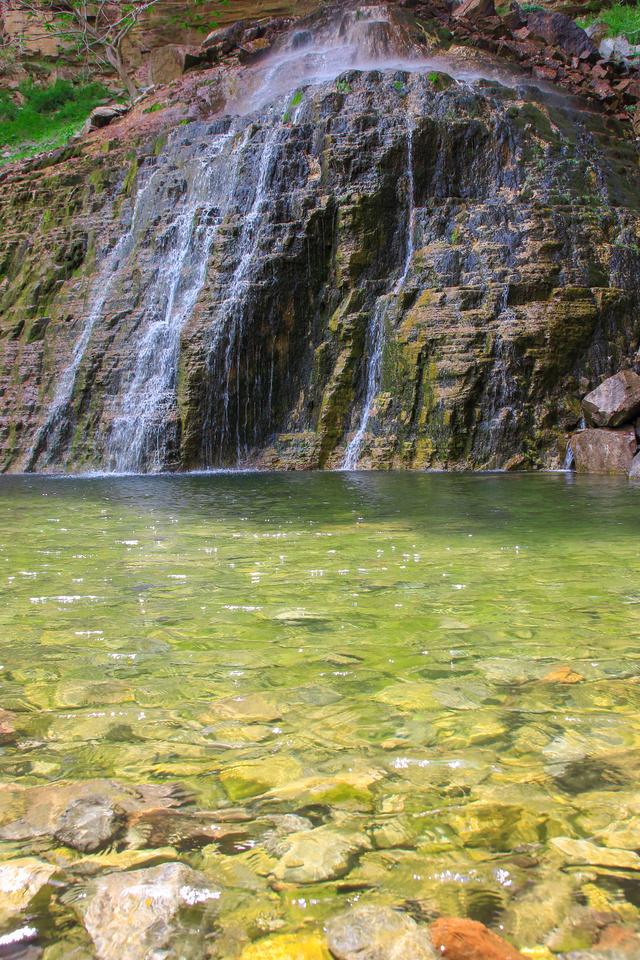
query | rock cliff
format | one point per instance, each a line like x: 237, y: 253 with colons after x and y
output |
x: 422, y: 262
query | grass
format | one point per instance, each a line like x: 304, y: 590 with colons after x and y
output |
x: 46, y: 117
x: 621, y: 21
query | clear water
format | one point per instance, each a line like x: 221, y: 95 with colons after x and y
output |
x: 412, y: 633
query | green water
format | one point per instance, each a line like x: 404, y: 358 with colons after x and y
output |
x: 409, y: 637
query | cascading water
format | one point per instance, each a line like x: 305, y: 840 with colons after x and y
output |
x: 139, y: 438
x: 57, y: 423
x: 234, y: 304
x: 376, y: 331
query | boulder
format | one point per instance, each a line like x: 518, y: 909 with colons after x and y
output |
x: 103, y: 116
x: 558, y: 30
x: 634, y: 470
x: 619, y: 49
x: 475, y: 9
x: 459, y: 939
x: 614, y: 402
x: 377, y: 933
x: 225, y: 39
x: 169, y: 62
x: 160, y: 911
x: 604, y: 451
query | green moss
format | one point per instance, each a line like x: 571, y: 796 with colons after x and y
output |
x: 155, y: 108
x: 130, y: 178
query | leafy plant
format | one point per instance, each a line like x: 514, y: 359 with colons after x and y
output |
x: 343, y: 86
x: 620, y: 19
x: 47, y: 116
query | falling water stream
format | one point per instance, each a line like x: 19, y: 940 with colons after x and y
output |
x: 376, y: 331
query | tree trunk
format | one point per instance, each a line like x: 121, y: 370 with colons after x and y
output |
x: 114, y: 57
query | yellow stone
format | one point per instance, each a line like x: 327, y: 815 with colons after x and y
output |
x: 287, y: 947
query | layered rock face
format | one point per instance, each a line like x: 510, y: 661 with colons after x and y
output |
x: 389, y: 269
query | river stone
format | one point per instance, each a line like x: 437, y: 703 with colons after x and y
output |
x: 499, y: 826
x: 7, y: 727
x: 21, y: 881
x: 614, y: 402
x: 39, y: 811
x: 89, y: 824
x: 287, y: 947
x: 587, y: 853
x: 254, y: 777
x: 253, y: 707
x: 377, y: 933
x: 313, y: 856
x: 457, y: 938
x: 604, y: 451
x: 148, y: 914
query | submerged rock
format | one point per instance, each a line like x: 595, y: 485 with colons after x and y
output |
x: 287, y: 947
x: 7, y: 726
x: 254, y: 777
x: 377, y: 933
x: 313, y: 856
x: 614, y: 402
x: 144, y: 914
x: 589, y: 854
x: 460, y: 939
x: 604, y: 451
x: 95, y: 805
x: 89, y: 824
x: 21, y: 881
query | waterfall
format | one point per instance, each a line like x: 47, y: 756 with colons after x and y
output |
x: 58, y: 420
x: 377, y: 324
x: 227, y: 331
x: 139, y: 438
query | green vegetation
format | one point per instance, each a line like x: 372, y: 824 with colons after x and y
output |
x: 295, y: 101
x: 620, y: 19
x: 46, y: 118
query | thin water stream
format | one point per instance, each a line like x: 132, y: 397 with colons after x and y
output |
x: 442, y: 669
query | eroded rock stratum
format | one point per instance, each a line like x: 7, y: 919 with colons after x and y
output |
x: 428, y: 271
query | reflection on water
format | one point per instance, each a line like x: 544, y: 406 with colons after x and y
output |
x: 445, y: 666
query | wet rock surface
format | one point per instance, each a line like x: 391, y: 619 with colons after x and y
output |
x: 377, y: 933
x: 462, y: 939
x: 145, y: 913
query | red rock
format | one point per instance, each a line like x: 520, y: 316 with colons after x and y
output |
x: 7, y: 726
x: 604, y: 451
x: 474, y: 9
x: 562, y: 675
x: 459, y: 939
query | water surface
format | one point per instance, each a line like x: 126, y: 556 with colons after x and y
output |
x: 446, y: 665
